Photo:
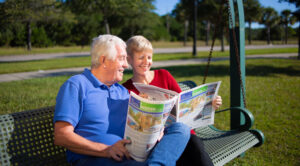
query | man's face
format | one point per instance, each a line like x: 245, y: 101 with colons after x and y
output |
x: 117, y: 66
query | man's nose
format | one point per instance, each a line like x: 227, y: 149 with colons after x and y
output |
x: 125, y: 65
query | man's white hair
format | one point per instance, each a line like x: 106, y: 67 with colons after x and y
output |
x: 105, y: 45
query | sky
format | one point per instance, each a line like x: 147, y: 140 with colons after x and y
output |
x: 166, y: 6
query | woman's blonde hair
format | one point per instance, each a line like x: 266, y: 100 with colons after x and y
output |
x: 137, y: 44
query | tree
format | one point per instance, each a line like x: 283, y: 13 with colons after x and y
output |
x: 208, y: 11
x: 139, y: 10
x: 30, y: 11
x: 269, y: 19
x: 182, y: 15
x: 287, y: 19
x: 252, y: 14
x: 296, y: 2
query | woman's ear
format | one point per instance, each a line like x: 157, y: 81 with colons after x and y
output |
x: 129, y: 59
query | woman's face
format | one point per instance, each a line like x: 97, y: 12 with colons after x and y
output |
x: 141, y: 62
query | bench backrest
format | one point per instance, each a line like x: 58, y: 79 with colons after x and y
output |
x: 26, y: 138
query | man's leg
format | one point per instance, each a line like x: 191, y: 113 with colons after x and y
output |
x: 171, y: 146
x: 97, y: 161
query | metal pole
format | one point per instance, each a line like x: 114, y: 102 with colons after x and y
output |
x: 237, y: 83
x: 195, y: 28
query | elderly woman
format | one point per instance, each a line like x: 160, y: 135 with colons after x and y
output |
x: 140, y: 53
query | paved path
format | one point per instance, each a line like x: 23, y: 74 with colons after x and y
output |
x: 13, y: 58
x: 72, y: 71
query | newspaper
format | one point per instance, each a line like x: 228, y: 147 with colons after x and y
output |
x: 194, y: 106
x: 155, y: 108
x: 147, y: 114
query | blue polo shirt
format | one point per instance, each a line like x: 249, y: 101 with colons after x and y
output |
x: 97, y: 112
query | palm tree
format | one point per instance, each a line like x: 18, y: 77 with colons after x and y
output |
x: 286, y: 19
x: 253, y: 13
x: 269, y: 18
x: 296, y: 2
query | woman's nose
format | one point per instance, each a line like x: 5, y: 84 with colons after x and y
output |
x: 146, y: 60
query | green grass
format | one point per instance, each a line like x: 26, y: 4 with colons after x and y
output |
x: 156, y: 44
x: 273, y: 95
x: 57, y: 49
x: 13, y: 67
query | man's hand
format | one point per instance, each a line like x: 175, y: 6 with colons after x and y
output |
x: 117, y: 151
x: 217, y: 102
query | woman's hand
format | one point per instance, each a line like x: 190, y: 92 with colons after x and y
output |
x: 217, y: 102
x: 118, y: 150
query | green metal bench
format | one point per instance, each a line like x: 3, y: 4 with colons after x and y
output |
x: 26, y: 138
x: 223, y: 146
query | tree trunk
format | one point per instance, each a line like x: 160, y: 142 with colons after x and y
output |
x: 286, y: 33
x: 168, y: 23
x: 29, y: 36
x: 269, y: 35
x: 222, y: 39
x: 106, y: 26
x: 207, y: 33
x: 186, y: 25
x: 299, y: 40
x: 195, y: 28
x: 249, y: 35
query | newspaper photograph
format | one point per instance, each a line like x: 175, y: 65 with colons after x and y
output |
x: 194, y: 107
x: 147, y: 114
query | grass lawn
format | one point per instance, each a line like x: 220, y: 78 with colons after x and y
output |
x: 156, y: 44
x: 272, y: 90
x: 13, y: 67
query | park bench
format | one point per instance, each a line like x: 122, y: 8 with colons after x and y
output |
x: 26, y: 138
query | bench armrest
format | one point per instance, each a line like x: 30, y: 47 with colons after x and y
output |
x: 249, y: 118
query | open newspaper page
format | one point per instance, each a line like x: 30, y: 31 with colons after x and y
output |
x: 145, y: 120
x: 194, y: 106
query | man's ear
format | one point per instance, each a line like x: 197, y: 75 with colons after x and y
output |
x: 102, y: 59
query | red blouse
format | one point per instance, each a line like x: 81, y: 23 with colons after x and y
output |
x: 163, y: 79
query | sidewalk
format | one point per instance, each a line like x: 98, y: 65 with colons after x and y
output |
x: 14, y: 58
x: 72, y: 71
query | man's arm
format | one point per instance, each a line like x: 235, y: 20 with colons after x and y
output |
x: 64, y: 136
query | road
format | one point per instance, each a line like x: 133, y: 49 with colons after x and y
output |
x: 72, y: 71
x: 13, y: 58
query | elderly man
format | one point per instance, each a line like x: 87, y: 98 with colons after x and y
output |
x: 91, y: 111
